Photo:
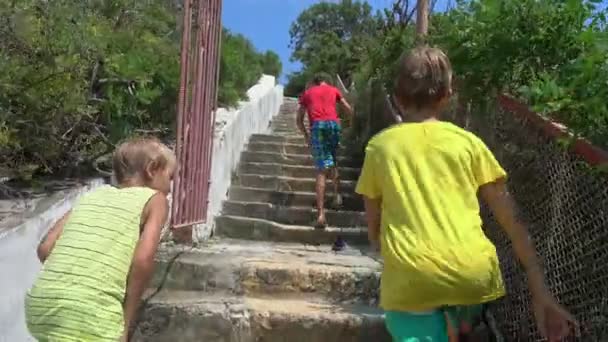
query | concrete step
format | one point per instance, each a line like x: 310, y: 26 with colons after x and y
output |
x: 291, y: 159
x: 294, y: 171
x: 282, y: 183
x: 194, y: 317
x: 285, y: 131
x: 238, y: 227
x: 302, y: 216
x: 291, y: 198
x: 286, y: 148
x: 286, y: 121
x: 292, y: 139
x: 243, y: 267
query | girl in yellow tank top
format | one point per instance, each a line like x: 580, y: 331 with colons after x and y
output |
x: 98, y: 259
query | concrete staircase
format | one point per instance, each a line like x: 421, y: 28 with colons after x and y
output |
x: 268, y: 275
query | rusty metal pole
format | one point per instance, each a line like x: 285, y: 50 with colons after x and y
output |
x: 422, y: 20
x: 195, y: 119
x: 182, y: 105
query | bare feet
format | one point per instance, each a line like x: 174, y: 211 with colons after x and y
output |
x: 321, y: 222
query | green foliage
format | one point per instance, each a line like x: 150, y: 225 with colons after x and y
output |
x: 76, y: 77
x: 271, y: 64
x: 241, y: 66
x: 383, y: 54
x: 332, y: 38
x: 296, y: 82
x: 551, y: 53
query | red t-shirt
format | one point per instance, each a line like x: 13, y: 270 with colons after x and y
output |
x: 320, y: 102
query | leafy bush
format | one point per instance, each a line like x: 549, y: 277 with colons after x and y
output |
x: 551, y: 53
x: 241, y: 67
x: 331, y: 38
x: 271, y: 64
x: 76, y: 77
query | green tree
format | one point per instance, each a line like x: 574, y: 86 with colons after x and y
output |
x: 331, y: 37
x: 271, y: 64
x: 241, y: 66
x: 550, y: 53
x: 76, y: 77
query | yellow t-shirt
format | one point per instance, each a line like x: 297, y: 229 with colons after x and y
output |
x: 435, y: 253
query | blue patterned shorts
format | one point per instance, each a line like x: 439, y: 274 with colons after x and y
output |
x: 324, y: 141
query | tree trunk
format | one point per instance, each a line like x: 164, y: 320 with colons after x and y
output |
x: 422, y: 20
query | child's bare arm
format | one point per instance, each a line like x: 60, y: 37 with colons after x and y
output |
x: 142, y: 266
x: 502, y: 205
x: 373, y: 214
x: 552, y: 319
x: 48, y: 241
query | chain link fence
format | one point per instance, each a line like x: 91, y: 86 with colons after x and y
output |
x: 564, y: 201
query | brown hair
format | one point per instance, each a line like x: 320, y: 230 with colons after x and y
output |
x: 424, y: 78
x: 133, y: 157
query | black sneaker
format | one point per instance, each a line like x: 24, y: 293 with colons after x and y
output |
x: 339, y: 245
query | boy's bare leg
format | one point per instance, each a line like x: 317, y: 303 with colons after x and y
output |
x: 320, y: 188
x: 336, y: 183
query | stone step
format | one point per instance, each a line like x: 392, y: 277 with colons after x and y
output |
x: 238, y: 227
x: 302, y: 216
x: 286, y: 131
x: 244, y: 267
x: 294, y: 171
x: 282, y: 183
x: 292, y: 139
x: 286, y: 120
x: 187, y: 316
x: 286, y: 148
x: 291, y: 198
x: 291, y: 159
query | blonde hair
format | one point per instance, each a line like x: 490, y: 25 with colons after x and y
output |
x: 135, y: 156
x: 424, y: 78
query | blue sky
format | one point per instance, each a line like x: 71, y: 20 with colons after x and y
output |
x: 267, y: 22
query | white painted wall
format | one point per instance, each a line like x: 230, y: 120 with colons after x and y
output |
x: 233, y: 128
x: 19, y: 264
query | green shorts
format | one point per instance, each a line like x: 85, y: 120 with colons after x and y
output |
x: 431, y: 326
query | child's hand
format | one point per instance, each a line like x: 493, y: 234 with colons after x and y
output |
x: 554, y: 322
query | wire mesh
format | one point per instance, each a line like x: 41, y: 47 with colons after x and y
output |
x: 564, y: 201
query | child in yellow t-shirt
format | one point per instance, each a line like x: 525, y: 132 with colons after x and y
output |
x: 420, y: 182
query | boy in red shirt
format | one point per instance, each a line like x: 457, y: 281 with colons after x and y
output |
x: 319, y: 101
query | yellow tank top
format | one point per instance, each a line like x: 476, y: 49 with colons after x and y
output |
x: 79, y: 293
x: 435, y: 251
